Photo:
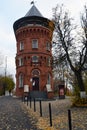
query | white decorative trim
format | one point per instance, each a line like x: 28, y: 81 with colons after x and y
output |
x: 48, y: 87
x: 26, y: 88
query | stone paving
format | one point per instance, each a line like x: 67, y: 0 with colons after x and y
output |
x: 59, y: 115
x: 16, y: 115
x: 13, y: 116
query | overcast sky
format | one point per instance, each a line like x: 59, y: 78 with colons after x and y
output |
x: 11, y: 10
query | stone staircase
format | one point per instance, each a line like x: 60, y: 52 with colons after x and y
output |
x: 38, y: 94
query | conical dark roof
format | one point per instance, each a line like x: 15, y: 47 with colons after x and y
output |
x: 33, y: 17
x: 33, y: 12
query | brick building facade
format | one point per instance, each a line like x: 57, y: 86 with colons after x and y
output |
x: 33, y: 34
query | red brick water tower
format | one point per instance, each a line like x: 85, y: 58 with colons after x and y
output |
x: 33, y: 34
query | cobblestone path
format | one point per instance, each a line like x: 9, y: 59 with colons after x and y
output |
x: 13, y: 116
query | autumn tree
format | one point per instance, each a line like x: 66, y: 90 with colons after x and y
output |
x: 7, y: 83
x: 70, y: 44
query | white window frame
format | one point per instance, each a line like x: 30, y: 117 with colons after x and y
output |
x: 21, y: 46
x: 49, y: 79
x: 35, y: 59
x: 34, y: 44
x: 21, y: 61
x: 21, y: 80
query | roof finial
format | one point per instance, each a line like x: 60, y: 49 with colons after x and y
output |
x: 32, y: 2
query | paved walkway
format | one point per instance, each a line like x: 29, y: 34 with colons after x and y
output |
x: 13, y: 116
x: 59, y: 115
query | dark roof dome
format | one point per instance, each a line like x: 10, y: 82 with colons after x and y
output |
x: 33, y: 12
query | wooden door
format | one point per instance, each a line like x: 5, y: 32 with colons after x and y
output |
x: 35, y: 84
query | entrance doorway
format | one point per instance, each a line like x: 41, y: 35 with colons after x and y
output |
x: 35, y: 84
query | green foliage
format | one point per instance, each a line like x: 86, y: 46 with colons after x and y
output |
x: 76, y: 99
x: 7, y: 83
x: 56, y: 93
x: 1, y: 92
x: 76, y: 91
x: 85, y: 82
x: 68, y: 93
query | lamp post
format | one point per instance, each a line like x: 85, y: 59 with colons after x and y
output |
x: 5, y: 74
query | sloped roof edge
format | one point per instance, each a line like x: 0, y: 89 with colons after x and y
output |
x: 33, y: 12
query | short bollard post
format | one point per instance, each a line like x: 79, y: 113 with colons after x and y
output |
x: 27, y: 100
x: 40, y: 108
x: 69, y: 120
x: 30, y: 102
x: 50, y: 114
x: 34, y: 105
x: 24, y: 99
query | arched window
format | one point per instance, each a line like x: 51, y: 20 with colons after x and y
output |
x: 21, y: 78
x: 49, y: 79
x: 35, y: 72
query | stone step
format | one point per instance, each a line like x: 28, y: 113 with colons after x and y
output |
x: 38, y: 94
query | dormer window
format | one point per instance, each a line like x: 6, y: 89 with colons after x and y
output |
x: 21, y: 46
x: 34, y: 44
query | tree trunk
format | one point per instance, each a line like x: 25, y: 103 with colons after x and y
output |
x: 78, y: 75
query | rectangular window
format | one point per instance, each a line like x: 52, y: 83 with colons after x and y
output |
x: 35, y: 59
x: 21, y: 46
x: 21, y: 61
x: 48, y: 48
x: 20, y: 80
x: 49, y: 79
x: 34, y: 44
x: 49, y: 61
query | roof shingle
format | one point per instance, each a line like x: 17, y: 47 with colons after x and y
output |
x: 33, y: 12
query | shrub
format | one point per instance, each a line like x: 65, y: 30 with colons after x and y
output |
x: 77, y: 101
